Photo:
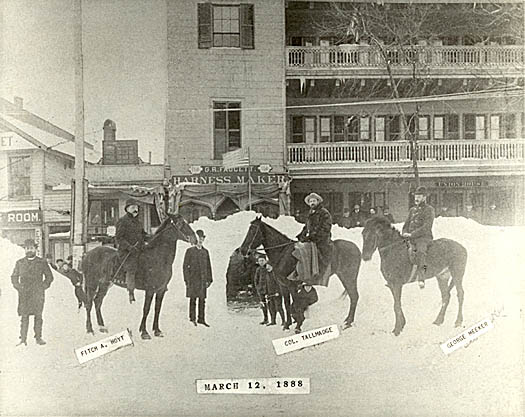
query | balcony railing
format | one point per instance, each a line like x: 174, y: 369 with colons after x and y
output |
x: 359, y: 56
x: 359, y: 152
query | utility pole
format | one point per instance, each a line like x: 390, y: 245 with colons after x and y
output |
x: 414, y: 150
x: 79, y: 206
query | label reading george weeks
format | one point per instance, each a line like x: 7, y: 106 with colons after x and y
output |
x: 109, y: 344
x: 254, y: 386
x: 305, y: 339
x: 467, y: 336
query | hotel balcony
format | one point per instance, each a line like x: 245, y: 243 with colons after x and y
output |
x: 387, y: 159
x: 434, y: 61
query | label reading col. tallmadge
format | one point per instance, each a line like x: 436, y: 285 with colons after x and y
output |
x: 467, y: 336
x: 305, y: 339
x: 109, y: 344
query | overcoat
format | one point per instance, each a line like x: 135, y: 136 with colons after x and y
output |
x: 265, y: 282
x: 197, y: 272
x: 318, y: 226
x: 31, y: 277
x: 129, y: 232
x: 419, y: 222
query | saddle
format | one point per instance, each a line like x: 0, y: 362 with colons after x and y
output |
x: 308, y: 269
x: 119, y: 274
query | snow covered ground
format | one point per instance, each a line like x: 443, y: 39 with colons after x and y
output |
x: 367, y: 371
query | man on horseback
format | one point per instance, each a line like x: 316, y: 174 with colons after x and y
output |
x: 318, y: 229
x: 418, y: 229
x: 130, y: 237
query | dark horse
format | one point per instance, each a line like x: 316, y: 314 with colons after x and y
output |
x: 153, y: 275
x: 446, y: 259
x: 345, y: 261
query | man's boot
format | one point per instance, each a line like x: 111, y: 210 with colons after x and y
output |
x: 38, y: 331
x: 24, y: 326
x: 130, y: 284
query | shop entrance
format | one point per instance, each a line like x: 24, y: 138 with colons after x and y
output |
x: 453, y: 203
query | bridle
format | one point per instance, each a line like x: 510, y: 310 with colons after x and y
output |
x: 269, y: 247
x: 175, y: 225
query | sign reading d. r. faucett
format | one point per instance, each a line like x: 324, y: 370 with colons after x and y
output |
x: 305, y: 339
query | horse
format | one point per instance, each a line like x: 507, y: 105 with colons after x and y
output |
x: 101, y: 265
x: 345, y: 260
x: 242, y: 268
x: 446, y: 259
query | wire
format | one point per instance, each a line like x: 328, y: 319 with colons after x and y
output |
x: 22, y: 157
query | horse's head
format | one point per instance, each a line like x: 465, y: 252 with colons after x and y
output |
x: 182, y: 228
x: 254, y: 237
x: 372, y: 234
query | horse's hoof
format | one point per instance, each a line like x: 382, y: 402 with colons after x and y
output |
x: 438, y: 322
x: 396, y: 332
x: 103, y: 329
x: 90, y: 331
x: 286, y: 328
x: 145, y: 336
x: 346, y: 325
x: 158, y: 333
x: 458, y: 324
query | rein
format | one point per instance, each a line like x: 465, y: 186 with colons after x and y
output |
x: 269, y: 247
x: 391, y: 245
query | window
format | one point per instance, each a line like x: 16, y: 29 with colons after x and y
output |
x: 20, y: 176
x: 309, y: 130
x: 452, y: 127
x: 423, y: 131
x: 439, y: 127
x: 353, y: 128
x: 364, y: 128
x: 494, y: 127
x: 508, y: 126
x: 303, y: 129
x: 394, y: 128
x: 297, y: 129
x: 326, y: 129
x: 226, y: 26
x: 474, y: 126
x: 339, y: 128
x: 103, y: 212
x: 380, y: 129
x: 226, y: 127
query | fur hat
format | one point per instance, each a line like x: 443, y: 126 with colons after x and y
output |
x: 29, y: 243
x: 130, y: 202
x: 313, y: 195
x: 421, y: 190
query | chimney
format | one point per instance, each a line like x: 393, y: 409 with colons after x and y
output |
x: 110, y: 130
x: 18, y: 102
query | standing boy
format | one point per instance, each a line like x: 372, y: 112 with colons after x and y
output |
x: 31, y: 278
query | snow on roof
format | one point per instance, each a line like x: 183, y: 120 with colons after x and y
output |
x: 50, y: 140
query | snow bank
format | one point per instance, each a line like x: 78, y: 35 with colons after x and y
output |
x: 366, y: 371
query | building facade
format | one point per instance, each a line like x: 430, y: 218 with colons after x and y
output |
x: 315, y: 100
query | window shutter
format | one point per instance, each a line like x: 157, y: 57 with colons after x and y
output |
x: 205, y: 25
x: 247, y: 41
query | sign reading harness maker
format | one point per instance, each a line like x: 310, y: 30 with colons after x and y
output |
x: 216, y: 174
x: 109, y: 344
x: 305, y: 339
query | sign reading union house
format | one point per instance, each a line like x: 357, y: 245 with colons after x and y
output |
x: 216, y: 174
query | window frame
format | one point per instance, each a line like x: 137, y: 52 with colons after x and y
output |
x: 15, y: 175
x: 227, y: 130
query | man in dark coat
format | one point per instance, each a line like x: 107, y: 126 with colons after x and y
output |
x: 130, y: 237
x: 357, y: 218
x: 418, y: 228
x: 388, y: 215
x: 305, y: 297
x: 346, y: 221
x: 318, y: 229
x: 198, y: 277
x: 31, y: 278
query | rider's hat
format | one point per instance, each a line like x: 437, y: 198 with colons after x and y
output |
x: 421, y: 190
x: 29, y: 243
x: 315, y: 196
x: 130, y: 202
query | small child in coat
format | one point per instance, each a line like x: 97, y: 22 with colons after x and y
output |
x: 269, y: 292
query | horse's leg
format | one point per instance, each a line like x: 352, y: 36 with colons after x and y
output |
x: 396, y: 290
x: 145, y: 311
x: 158, y: 305
x: 349, y: 280
x: 445, y: 296
x: 287, y: 307
x: 89, y: 303
x: 458, y: 282
x: 99, y: 298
